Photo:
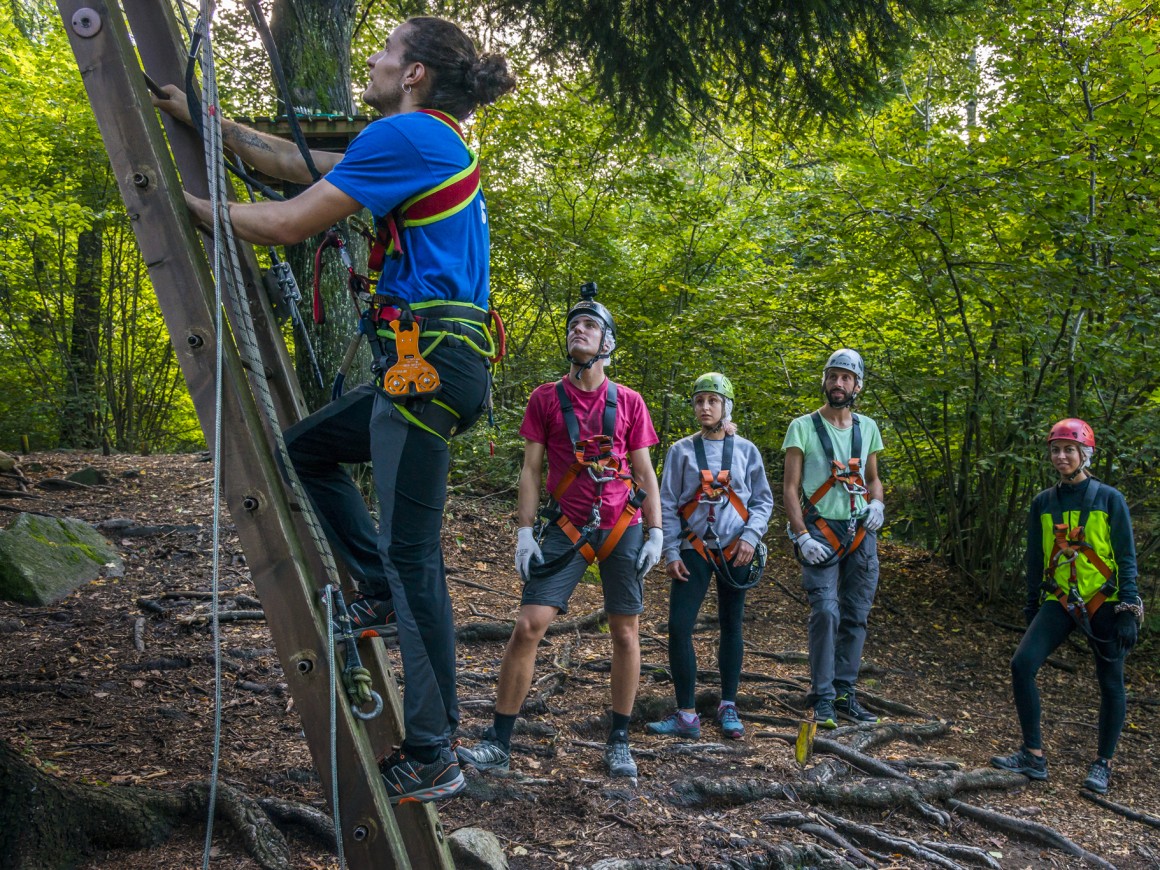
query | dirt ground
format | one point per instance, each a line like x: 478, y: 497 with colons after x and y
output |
x: 78, y: 697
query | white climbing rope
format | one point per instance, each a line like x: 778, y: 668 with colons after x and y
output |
x: 230, y: 289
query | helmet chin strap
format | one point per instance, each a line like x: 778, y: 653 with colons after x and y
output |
x: 713, y: 430
x: 585, y: 366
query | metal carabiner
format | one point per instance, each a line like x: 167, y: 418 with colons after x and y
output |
x: 601, y: 479
x: 358, y: 713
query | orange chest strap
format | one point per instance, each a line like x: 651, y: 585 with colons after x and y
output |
x: 849, y: 475
x: 714, y: 490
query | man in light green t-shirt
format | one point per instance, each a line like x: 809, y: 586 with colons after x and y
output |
x: 831, y: 469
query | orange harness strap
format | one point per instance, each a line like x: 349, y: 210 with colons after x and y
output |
x: 596, y: 457
x: 714, y: 488
x: 850, y: 476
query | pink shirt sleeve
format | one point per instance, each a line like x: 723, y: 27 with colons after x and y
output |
x: 640, y: 429
x: 536, y: 416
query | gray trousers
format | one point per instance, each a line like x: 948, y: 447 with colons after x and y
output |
x: 401, y: 558
x: 840, y: 598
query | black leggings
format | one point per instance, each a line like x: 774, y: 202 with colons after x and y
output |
x: 1047, y: 631
x: 685, y: 600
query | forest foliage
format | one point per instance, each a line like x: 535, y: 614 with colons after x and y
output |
x: 984, y: 231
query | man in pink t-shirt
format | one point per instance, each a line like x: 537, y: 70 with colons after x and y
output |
x: 591, y: 406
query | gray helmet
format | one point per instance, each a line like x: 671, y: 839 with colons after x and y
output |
x: 591, y: 308
x: 850, y: 360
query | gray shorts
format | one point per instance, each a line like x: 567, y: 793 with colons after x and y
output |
x: 623, y: 592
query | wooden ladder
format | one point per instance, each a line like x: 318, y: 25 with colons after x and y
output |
x: 286, y: 567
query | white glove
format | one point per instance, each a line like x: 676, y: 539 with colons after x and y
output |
x: 875, y: 516
x: 650, y: 553
x: 812, y: 551
x: 527, y: 550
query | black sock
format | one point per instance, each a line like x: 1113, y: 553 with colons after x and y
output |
x: 503, y: 725
x: 619, y: 723
x: 423, y: 754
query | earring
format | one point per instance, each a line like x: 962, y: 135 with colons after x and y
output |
x: 406, y: 88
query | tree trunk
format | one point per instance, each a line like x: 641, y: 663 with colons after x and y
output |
x: 81, y: 414
x: 313, y: 40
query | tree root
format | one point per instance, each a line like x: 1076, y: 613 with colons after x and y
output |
x: 774, y: 856
x: 964, y: 853
x: 884, y: 705
x: 479, y: 632
x: 299, y: 817
x: 51, y: 822
x: 803, y: 823
x: 1126, y: 812
x: 1031, y: 832
x: 889, y: 842
x: 873, y: 793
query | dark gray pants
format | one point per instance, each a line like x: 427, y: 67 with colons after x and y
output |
x: 840, y: 599
x: 402, y: 556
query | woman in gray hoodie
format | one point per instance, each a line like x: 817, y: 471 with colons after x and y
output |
x: 715, y: 507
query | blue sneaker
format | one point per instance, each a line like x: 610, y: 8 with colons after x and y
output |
x: 848, y: 707
x: 677, y: 725
x: 730, y: 722
x: 1099, y: 776
x: 824, y: 714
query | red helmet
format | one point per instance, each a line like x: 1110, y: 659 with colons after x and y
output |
x: 1073, y: 429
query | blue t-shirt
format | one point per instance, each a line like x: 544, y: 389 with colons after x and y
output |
x: 390, y: 161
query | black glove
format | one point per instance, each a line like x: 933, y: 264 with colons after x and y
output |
x: 1127, y: 631
x: 1029, y: 611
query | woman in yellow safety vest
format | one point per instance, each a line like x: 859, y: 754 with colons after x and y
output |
x: 1081, y: 573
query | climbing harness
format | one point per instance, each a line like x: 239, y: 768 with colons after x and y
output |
x: 438, y: 203
x: 849, y: 475
x: 596, y: 457
x: 1069, y: 546
x: 395, y: 328
x: 716, y: 491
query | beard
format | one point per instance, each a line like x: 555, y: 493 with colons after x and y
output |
x: 387, y: 102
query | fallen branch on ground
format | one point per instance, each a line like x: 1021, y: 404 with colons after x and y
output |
x: 483, y: 586
x: 223, y: 616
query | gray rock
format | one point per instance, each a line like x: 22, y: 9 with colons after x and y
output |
x: 43, y: 559
x: 89, y: 476
x: 477, y: 849
x: 7, y: 463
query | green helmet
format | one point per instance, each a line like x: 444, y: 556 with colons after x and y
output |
x: 714, y: 382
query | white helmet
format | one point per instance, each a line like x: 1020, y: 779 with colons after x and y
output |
x: 851, y: 361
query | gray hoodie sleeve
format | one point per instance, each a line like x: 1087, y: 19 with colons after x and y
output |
x: 672, y: 480
x: 760, y: 504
